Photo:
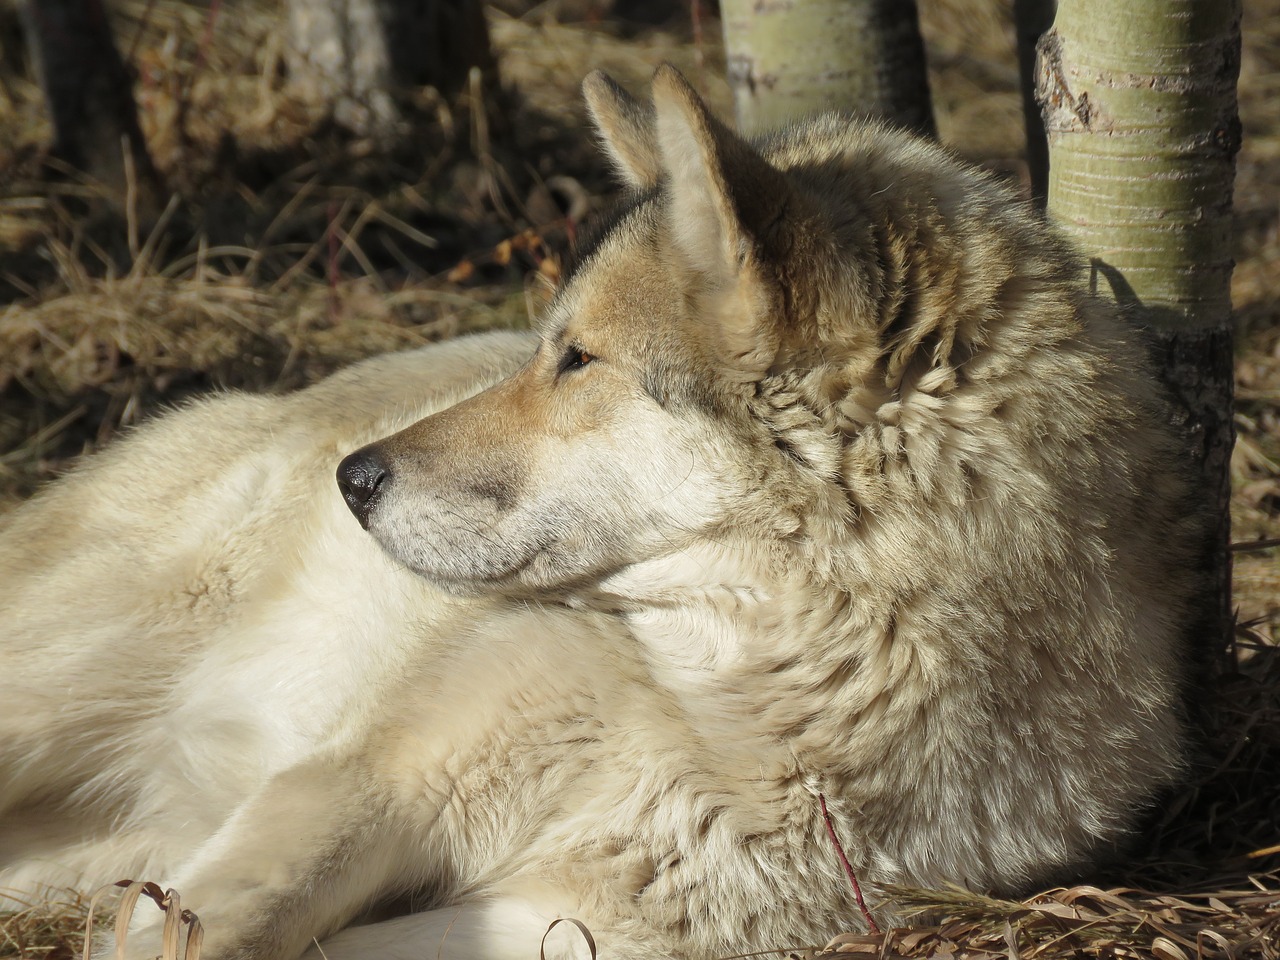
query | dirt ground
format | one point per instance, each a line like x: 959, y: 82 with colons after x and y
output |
x: 291, y: 250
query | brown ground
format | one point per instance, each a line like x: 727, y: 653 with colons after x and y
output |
x: 292, y: 250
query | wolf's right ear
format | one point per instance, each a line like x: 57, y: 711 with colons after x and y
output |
x: 626, y: 129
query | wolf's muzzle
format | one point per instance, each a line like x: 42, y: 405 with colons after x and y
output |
x: 360, y: 477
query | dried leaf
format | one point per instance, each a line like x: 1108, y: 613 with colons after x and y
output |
x: 859, y: 946
x: 1162, y: 948
x: 462, y: 270
x: 1058, y: 910
x: 910, y: 941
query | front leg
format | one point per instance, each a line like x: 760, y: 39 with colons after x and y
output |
x: 294, y: 863
x: 503, y: 924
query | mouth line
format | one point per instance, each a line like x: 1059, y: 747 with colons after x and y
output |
x: 478, y: 582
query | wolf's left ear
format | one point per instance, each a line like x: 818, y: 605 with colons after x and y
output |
x: 726, y: 210
x: 625, y: 126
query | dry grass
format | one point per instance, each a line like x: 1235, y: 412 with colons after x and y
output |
x: 1086, y: 921
x: 290, y: 250
x: 52, y: 929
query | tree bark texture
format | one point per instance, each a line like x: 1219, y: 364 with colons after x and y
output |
x: 1139, y: 104
x: 792, y: 58
x: 89, y: 95
x: 360, y: 55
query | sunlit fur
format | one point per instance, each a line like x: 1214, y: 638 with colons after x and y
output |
x: 826, y: 475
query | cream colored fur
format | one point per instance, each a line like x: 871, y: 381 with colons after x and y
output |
x: 826, y: 476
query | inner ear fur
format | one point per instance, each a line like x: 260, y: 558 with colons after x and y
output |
x: 728, y: 210
x: 625, y: 126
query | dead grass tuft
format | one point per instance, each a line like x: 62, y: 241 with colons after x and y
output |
x: 1085, y: 921
x: 168, y: 901
x: 51, y: 929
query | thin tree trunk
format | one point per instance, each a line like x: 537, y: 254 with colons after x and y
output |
x: 792, y: 58
x: 89, y: 94
x: 360, y: 56
x: 1140, y: 109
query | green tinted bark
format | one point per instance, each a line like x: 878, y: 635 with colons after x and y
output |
x: 791, y: 58
x: 1139, y: 101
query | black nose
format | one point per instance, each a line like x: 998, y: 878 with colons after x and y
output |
x: 360, y: 477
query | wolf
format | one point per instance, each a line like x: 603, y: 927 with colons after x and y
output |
x: 825, y: 479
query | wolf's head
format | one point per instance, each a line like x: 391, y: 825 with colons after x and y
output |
x: 627, y: 433
x: 762, y: 341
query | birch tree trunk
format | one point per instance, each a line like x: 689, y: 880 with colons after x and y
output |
x: 1139, y: 103
x: 362, y: 55
x: 791, y: 58
x: 89, y: 95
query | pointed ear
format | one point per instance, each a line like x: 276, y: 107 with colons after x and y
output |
x: 625, y: 126
x: 726, y: 210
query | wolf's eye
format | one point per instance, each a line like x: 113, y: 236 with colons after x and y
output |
x: 575, y: 358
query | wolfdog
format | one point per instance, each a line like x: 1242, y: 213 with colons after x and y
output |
x: 824, y: 477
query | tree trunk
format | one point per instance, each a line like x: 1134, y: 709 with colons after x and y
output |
x: 1139, y: 104
x: 362, y: 55
x: 792, y: 58
x: 89, y: 94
